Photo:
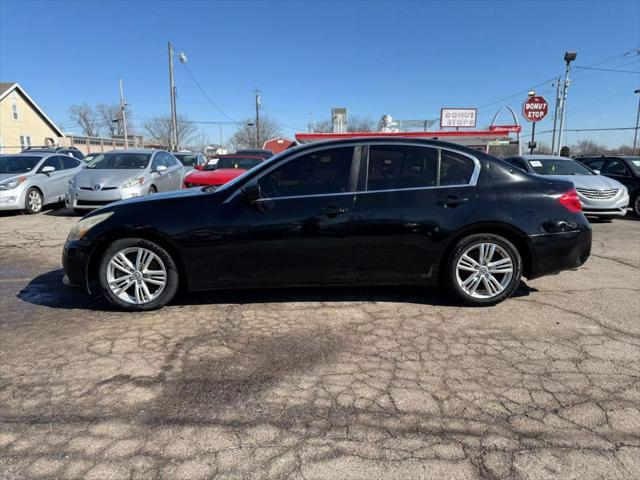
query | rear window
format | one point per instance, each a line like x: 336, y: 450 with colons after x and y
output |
x: 455, y: 169
x: 399, y: 166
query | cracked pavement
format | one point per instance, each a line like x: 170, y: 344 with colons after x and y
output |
x: 363, y: 383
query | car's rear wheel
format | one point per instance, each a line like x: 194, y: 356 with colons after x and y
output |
x: 34, y: 201
x: 484, y: 269
x: 636, y: 205
x: 137, y: 274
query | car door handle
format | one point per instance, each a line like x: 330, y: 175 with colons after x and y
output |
x: 332, y: 211
x: 452, y: 201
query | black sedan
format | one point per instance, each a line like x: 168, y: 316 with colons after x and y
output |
x: 625, y: 169
x: 360, y: 211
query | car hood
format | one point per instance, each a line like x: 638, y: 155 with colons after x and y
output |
x: 595, y: 182
x: 214, y: 177
x: 9, y: 176
x: 106, y: 178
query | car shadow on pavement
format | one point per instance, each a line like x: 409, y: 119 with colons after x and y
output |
x: 48, y: 290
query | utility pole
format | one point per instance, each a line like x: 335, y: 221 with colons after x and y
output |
x: 568, y: 58
x: 555, y: 116
x: 257, y: 92
x: 635, y: 135
x: 172, y: 90
x: 123, y: 108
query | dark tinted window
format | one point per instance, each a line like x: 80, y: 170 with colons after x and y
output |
x: 74, y: 153
x: 69, y: 162
x: 595, y: 164
x: 326, y: 171
x: 401, y: 166
x: 52, y: 162
x: 18, y: 163
x: 455, y: 169
x: 187, y: 159
x: 517, y: 162
x: 615, y: 167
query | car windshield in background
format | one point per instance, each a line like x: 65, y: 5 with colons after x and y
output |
x: 232, y: 162
x: 545, y: 166
x: 18, y: 164
x: 188, y: 160
x: 634, y: 163
x: 120, y: 161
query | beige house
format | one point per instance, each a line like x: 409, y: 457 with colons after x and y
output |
x: 22, y: 121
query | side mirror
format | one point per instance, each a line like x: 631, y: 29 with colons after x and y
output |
x: 199, y: 167
x: 251, y: 192
x: 161, y: 168
x: 597, y: 172
x: 48, y: 169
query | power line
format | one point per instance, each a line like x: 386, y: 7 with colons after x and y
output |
x: 205, y: 93
x: 608, y: 70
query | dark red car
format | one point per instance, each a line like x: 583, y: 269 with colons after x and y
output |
x: 220, y: 170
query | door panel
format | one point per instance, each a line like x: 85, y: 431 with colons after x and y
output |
x: 398, y: 226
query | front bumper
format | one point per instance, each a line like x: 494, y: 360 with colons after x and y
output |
x: 81, y: 199
x: 555, y: 252
x: 611, y: 207
x: 12, y: 199
x: 75, y: 263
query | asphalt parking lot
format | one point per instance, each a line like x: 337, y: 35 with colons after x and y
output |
x: 314, y: 384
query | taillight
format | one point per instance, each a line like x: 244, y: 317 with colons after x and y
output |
x: 570, y: 201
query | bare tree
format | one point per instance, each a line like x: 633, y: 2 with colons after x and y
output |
x: 159, y: 130
x: 245, y: 135
x: 354, y: 124
x: 588, y: 147
x: 111, y: 118
x: 86, y: 118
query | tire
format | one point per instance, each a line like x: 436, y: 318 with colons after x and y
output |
x: 152, y: 190
x: 636, y: 205
x: 492, y: 285
x: 79, y: 211
x: 143, y: 290
x: 34, y: 201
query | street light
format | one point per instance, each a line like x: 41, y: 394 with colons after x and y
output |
x: 568, y: 58
x: 635, y: 135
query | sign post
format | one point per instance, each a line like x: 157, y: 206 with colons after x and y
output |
x: 534, y: 109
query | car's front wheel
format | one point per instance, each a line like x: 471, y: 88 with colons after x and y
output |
x: 484, y: 269
x: 636, y: 205
x: 137, y: 274
x: 34, y: 201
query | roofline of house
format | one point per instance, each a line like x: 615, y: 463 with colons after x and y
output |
x: 34, y: 104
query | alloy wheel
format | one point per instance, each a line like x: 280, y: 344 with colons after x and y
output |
x: 34, y: 199
x: 136, y: 275
x: 484, y: 270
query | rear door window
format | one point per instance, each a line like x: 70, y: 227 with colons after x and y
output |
x: 401, y: 166
x: 69, y: 162
x: 595, y: 164
x: 52, y: 162
x: 322, y: 172
x: 615, y: 167
x: 455, y: 169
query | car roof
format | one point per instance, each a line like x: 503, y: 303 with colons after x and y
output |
x: 238, y: 155
x: 28, y: 154
x: 136, y: 150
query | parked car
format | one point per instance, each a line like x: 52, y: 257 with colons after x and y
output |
x: 90, y: 156
x: 190, y: 160
x: 624, y: 169
x: 73, y: 151
x: 600, y: 196
x: 31, y: 180
x: 122, y: 174
x: 363, y: 211
x: 220, y: 170
x: 259, y: 152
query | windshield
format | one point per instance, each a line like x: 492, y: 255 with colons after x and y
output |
x: 120, y: 161
x: 245, y: 163
x: 545, y: 166
x: 634, y: 163
x: 18, y: 164
x: 187, y: 159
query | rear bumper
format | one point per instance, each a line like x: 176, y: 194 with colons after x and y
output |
x: 555, y: 252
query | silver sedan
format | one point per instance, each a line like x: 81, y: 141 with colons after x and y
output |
x: 29, y: 181
x: 122, y: 174
x: 600, y: 196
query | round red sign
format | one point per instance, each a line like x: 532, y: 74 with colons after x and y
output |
x: 535, y: 109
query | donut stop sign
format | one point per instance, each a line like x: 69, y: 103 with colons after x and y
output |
x: 535, y: 109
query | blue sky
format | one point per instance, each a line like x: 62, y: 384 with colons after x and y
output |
x: 407, y: 59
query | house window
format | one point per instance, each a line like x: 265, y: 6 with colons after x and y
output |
x: 14, y: 111
x: 25, y: 141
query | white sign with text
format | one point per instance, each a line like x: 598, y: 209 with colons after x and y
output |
x: 458, y: 117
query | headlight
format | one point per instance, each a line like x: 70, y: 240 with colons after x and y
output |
x: 81, y: 228
x: 132, y: 182
x: 11, y: 184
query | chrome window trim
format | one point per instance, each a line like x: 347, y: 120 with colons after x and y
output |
x: 272, y: 199
x: 473, y: 181
x: 293, y: 157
